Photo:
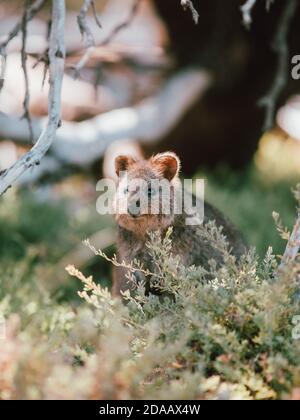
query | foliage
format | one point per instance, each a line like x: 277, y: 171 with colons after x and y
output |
x: 225, y: 332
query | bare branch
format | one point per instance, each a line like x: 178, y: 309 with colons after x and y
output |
x: 293, y: 244
x: 188, y: 4
x: 85, y: 31
x: 31, y: 12
x: 280, y: 47
x: 81, y: 143
x: 44, y: 57
x: 246, y: 10
x: 83, y: 25
x: 108, y: 39
x: 97, y: 20
x: 122, y: 25
x: 26, y: 114
x: 56, y: 71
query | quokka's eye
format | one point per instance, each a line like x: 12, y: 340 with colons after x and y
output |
x: 126, y: 190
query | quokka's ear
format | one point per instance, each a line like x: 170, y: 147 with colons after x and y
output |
x: 122, y: 163
x: 168, y: 164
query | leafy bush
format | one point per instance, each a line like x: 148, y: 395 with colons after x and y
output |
x: 225, y: 332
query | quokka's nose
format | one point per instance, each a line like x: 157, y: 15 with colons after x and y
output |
x: 134, y: 208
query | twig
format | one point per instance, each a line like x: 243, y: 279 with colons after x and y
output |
x: 246, y: 10
x: 280, y: 47
x: 132, y: 266
x: 31, y: 12
x: 293, y: 244
x: 26, y: 114
x: 81, y: 143
x: 82, y: 23
x: 43, y: 58
x: 97, y: 20
x: 86, y: 31
x: 188, y: 4
x: 56, y: 72
x: 122, y: 25
x: 108, y: 39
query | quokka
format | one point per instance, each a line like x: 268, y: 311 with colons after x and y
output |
x: 135, y: 217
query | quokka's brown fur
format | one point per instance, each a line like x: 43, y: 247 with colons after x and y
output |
x: 187, y: 240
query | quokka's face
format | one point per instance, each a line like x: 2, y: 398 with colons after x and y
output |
x: 145, y: 193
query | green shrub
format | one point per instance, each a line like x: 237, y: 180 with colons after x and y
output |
x: 225, y: 332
